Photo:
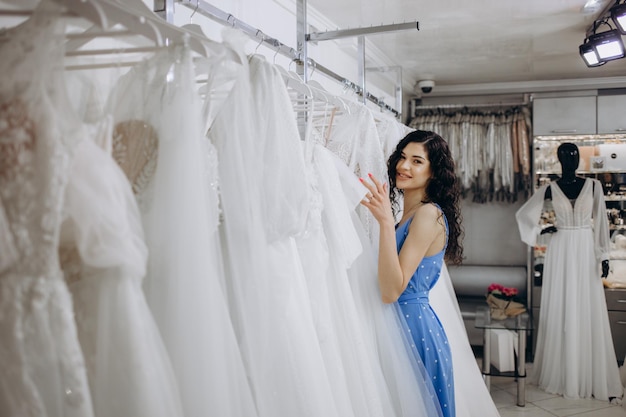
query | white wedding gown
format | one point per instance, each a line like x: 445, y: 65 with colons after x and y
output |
x: 175, y: 178
x: 103, y: 255
x: 264, y: 196
x: 43, y: 371
x: 472, y: 397
x: 574, y: 355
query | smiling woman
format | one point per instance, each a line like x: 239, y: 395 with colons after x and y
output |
x: 411, y: 253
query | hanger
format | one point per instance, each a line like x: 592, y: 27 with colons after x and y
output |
x: 207, y: 47
x: 106, y: 13
x: 88, y: 9
x: 197, y: 40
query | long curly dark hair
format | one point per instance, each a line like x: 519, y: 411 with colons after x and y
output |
x: 443, y: 187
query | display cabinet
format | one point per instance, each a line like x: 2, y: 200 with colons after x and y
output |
x: 565, y: 115
x: 602, y: 157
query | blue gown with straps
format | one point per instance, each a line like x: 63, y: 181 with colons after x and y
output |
x: 423, y: 325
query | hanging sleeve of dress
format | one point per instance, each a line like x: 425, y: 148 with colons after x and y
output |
x: 600, y: 224
x: 528, y: 217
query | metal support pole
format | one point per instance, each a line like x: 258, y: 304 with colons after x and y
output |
x: 165, y: 9
x: 521, y: 367
x: 350, y: 33
x: 303, y: 64
x: 299, y: 56
x: 397, y: 92
x: 361, y: 58
x: 301, y: 29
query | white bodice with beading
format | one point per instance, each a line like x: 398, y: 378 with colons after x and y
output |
x: 42, y: 371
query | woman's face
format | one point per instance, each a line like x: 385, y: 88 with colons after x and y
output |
x: 413, y: 169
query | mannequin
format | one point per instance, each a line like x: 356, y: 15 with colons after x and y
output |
x: 570, y: 184
x: 574, y: 354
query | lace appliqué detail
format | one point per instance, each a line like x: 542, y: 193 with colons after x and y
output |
x: 212, y: 178
x: 17, y: 138
x: 135, y: 149
x: 17, y: 142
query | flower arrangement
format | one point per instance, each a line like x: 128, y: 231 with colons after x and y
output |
x: 502, y: 292
x: 504, y: 301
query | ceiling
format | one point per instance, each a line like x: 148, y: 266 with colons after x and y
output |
x: 461, y: 43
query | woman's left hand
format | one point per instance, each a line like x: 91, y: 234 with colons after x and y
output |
x: 377, y: 200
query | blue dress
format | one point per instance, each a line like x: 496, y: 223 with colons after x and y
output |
x: 423, y: 325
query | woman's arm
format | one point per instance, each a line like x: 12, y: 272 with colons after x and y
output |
x: 395, y: 271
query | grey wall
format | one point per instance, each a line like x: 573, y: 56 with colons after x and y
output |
x: 491, y: 234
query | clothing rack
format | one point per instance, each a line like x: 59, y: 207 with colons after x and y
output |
x: 215, y: 14
x: 469, y: 106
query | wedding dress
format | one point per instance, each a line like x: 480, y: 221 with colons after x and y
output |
x: 574, y: 355
x: 264, y: 197
x: 161, y: 145
x: 43, y: 370
x: 332, y: 307
x: 472, y: 397
x: 103, y: 256
x: 354, y: 138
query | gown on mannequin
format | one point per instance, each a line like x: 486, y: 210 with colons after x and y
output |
x: 574, y: 355
x: 43, y: 370
x: 161, y: 146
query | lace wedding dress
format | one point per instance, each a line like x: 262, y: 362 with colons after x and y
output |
x: 43, y: 370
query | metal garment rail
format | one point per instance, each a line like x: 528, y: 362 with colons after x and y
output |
x: 217, y: 15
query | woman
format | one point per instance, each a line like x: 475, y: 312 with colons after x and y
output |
x: 411, y: 253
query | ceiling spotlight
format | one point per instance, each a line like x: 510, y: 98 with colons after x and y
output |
x: 618, y: 15
x: 588, y: 53
x: 608, y: 45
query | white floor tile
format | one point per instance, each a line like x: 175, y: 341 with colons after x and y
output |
x: 529, y: 410
x: 562, y: 407
x: 542, y: 404
x: 611, y: 411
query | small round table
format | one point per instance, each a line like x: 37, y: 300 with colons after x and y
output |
x: 521, y: 324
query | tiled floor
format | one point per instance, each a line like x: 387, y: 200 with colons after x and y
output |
x: 541, y: 404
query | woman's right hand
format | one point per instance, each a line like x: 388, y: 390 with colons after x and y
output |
x: 377, y: 200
